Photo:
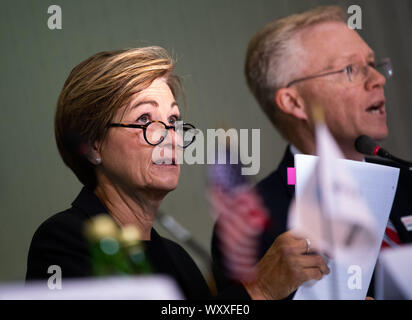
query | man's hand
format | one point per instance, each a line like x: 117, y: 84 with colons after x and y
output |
x: 284, y: 267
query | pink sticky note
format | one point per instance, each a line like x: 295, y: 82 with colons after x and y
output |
x: 291, y: 173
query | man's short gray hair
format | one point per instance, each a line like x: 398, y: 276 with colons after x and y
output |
x: 274, y: 55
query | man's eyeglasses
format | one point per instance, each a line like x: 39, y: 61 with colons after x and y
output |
x: 155, y: 132
x: 356, y: 72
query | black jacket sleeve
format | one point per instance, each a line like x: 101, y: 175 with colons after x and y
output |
x: 59, y: 241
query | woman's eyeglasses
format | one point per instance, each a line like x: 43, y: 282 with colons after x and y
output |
x: 155, y: 132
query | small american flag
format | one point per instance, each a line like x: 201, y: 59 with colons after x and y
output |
x: 390, y: 237
x: 241, y: 219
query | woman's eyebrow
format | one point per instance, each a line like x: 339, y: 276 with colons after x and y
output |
x: 153, y: 103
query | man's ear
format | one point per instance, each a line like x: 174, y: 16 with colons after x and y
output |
x: 290, y: 102
x: 93, y: 153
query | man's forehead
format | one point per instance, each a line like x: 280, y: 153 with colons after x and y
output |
x: 340, y: 59
x: 332, y: 43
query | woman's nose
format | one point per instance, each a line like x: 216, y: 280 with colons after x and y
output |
x: 171, y: 138
x: 172, y: 145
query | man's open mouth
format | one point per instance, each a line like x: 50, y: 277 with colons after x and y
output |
x: 377, y: 108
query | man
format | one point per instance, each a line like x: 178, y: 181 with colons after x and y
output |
x: 292, y: 65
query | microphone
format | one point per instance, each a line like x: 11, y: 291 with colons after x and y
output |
x: 365, y: 145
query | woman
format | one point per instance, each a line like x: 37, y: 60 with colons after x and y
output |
x: 115, y: 117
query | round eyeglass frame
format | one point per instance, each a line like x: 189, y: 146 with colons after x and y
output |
x: 167, y: 128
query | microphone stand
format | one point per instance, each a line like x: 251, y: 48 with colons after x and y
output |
x: 385, y: 154
x: 184, y: 236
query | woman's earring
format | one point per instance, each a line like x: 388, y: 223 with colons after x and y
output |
x: 98, y: 160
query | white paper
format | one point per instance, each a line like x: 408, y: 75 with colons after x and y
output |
x: 352, y: 266
x: 100, y: 288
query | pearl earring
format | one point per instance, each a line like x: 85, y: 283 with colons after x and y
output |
x: 98, y: 161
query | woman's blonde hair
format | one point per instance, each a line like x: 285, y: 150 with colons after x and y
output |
x: 95, y: 90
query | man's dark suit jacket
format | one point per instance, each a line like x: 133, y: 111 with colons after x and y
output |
x: 277, y: 196
x: 60, y: 241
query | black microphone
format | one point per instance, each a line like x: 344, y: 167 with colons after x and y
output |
x: 367, y: 146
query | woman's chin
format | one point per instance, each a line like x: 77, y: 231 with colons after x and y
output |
x: 165, y: 177
x: 163, y: 187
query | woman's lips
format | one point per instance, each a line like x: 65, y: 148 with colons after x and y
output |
x: 165, y: 162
